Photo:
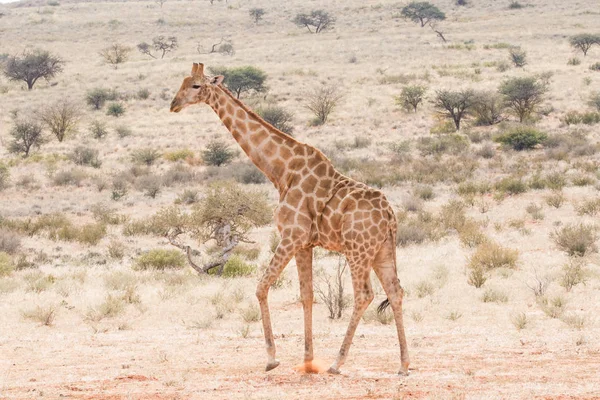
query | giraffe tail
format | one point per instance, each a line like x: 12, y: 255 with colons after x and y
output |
x: 392, y: 236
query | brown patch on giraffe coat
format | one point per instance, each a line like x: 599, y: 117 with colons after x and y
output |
x: 258, y: 137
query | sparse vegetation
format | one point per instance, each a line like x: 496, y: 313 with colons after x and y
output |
x: 576, y: 239
x: 160, y: 44
x: 217, y: 153
x: 316, y: 22
x: 454, y: 104
x: 411, y: 96
x: 160, y: 259
x: 322, y: 101
x: 33, y: 65
x: 115, y: 54
x: 521, y: 138
x: 26, y: 136
x: 523, y: 95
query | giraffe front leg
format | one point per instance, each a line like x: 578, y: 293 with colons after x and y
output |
x: 305, y: 276
x: 283, y: 254
x: 363, y: 296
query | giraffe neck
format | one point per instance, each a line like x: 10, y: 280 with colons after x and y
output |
x: 265, y: 145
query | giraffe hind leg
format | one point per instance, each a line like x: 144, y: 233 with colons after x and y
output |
x: 386, y: 272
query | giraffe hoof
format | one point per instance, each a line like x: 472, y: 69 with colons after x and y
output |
x: 333, y: 371
x: 403, y: 372
x: 272, y: 365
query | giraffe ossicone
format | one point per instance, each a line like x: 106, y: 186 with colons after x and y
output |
x: 318, y: 206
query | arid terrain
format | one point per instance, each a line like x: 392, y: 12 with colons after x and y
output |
x: 497, y: 245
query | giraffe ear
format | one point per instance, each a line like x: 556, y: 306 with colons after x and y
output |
x: 217, y: 80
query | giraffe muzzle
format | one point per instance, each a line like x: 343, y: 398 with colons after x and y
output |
x: 174, y: 106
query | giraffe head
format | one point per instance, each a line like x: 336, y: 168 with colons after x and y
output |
x: 195, y: 88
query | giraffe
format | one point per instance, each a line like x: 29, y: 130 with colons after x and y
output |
x: 318, y: 206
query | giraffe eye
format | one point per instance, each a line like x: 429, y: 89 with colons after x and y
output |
x: 196, y: 87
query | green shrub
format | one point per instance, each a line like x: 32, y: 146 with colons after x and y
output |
x: 143, y: 94
x: 515, y: 5
x: 477, y: 276
x: 595, y: 66
x: 410, y: 97
x: 115, y: 109
x: 91, y: 233
x: 160, y: 259
x: 188, y: 196
x: 522, y: 138
x: 6, y: 264
x: 573, y: 273
x: 489, y: 256
x: 576, y: 239
x: 248, y: 173
x: 217, y: 153
x: 518, y: 57
x: 235, y: 266
x: 574, y: 61
x: 494, y: 296
x: 245, y: 79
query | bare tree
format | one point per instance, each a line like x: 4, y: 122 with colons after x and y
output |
x: 32, y: 66
x: 61, y: 118
x: 115, y: 54
x: 223, y: 46
x: 319, y: 20
x: 331, y: 290
x: 322, y: 101
x: 160, y: 44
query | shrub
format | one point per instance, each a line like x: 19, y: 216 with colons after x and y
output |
x: 515, y: 5
x: 574, y: 61
x: 112, y: 306
x: 98, y: 129
x: 494, y: 296
x: 188, y: 196
x: 588, y: 118
x: 9, y: 241
x: 424, y: 192
x: 66, y: 177
x: 488, y: 150
x: 518, y: 57
x: 454, y: 144
x: 318, y: 20
x: 553, y: 308
x: 61, y: 119
x: 584, y: 41
x: 115, y: 109
x: 83, y: 155
x: 115, y: 54
x: 594, y: 100
x: 487, y: 108
x: 511, y: 186
x: 149, y: 184
x: 45, y: 315
x: 523, y: 95
x: 522, y: 138
x: 98, y: 96
x: 4, y: 176
x: 422, y: 12
x: 411, y: 96
x: 573, y: 273
x: 160, y: 259
x: 178, y: 155
x: 145, y: 156
x: 178, y: 174
x: 477, y: 276
x: 143, y: 94
x: 576, y: 239
x: 91, y: 233
x: 257, y: 14
x: 246, y: 79
x: 119, y: 188
x: 217, y: 153
x: 489, y: 256
x: 470, y: 234
x: 6, y: 264
x: 26, y: 135
x: 32, y: 66
x: 589, y: 207
x: 331, y: 291
x: 322, y: 101
x: 234, y: 267
x: 248, y: 173
x: 454, y: 104
x: 519, y: 320
x: 123, y: 131
x: 416, y: 230
x: 278, y: 117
